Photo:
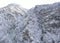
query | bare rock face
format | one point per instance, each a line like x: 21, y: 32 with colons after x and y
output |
x: 40, y: 24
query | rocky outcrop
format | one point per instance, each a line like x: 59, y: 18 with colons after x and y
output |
x: 40, y: 24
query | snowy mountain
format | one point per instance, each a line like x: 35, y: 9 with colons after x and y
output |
x: 48, y: 17
x: 40, y: 24
x: 12, y: 23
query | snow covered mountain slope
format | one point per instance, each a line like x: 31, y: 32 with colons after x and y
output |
x: 48, y: 17
x: 12, y: 23
x: 40, y: 24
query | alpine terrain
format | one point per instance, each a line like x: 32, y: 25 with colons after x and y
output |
x: 40, y: 24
